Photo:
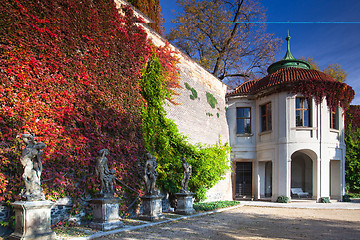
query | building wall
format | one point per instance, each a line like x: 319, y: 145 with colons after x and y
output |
x: 320, y: 143
x: 195, y: 118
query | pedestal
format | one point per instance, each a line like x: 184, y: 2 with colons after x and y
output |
x: 106, y: 214
x: 152, y: 208
x: 32, y: 220
x: 184, y: 203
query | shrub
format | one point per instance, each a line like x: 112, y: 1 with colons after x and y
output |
x: 324, y: 200
x: 283, y: 199
x: 209, y: 206
x: 346, y: 198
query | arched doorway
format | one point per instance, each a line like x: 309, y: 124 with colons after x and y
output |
x: 302, y: 172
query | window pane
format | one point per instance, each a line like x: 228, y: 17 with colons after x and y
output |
x: 247, y: 112
x: 268, y: 109
x: 240, y: 125
x: 247, y: 126
x: 239, y: 112
x: 269, y: 122
x: 306, y: 106
x: 263, y: 110
x: 299, y: 121
x: 298, y: 103
x: 306, y: 118
x: 263, y: 123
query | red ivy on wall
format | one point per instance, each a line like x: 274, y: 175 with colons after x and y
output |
x: 69, y: 74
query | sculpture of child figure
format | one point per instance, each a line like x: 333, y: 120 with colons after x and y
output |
x: 106, y: 175
x: 187, y: 173
x: 31, y: 162
x: 150, y: 175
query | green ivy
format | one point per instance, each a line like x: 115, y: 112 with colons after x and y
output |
x: 194, y: 93
x: 162, y: 139
x: 211, y: 99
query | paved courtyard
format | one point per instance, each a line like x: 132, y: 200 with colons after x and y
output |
x: 260, y: 222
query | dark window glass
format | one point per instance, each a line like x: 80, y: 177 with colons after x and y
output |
x: 265, y: 111
x: 243, y: 120
x: 303, y: 113
x: 334, y: 116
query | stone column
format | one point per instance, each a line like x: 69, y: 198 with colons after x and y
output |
x: 32, y: 220
x: 184, y: 203
x: 106, y: 214
x: 152, y: 207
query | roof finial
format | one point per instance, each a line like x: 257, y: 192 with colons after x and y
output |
x: 288, y: 54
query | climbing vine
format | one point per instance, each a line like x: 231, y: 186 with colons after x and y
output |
x: 69, y: 74
x: 162, y: 138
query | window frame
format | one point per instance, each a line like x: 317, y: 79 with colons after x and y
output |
x: 243, y: 117
x: 334, y: 114
x: 302, y: 110
x: 267, y: 116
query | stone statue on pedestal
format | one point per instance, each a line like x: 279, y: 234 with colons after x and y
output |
x: 184, y: 198
x: 150, y: 175
x: 33, y: 213
x: 31, y: 162
x: 151, y: 201
x: 186, y: 177
x: 105, y: 174
x: 105, y: 205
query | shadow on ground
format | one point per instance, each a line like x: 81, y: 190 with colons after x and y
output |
x: 242, y: 225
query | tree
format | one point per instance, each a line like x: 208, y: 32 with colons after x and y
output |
x: 219, y: 35
x: 334, y: 70
x: 152, y: 9
x: 352, y: 157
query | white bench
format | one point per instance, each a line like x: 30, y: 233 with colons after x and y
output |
x: 299, y: 192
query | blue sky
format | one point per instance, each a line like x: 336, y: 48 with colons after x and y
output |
x: 325, y: 43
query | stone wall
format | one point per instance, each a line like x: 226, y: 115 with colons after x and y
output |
x: 200, y: 113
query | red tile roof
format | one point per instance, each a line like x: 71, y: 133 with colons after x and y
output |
x: 278, y: 78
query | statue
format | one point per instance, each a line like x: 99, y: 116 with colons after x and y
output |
x: 150, y: 175
x: 186, y: 177
x: 105, y: 175
x: 31, y: 162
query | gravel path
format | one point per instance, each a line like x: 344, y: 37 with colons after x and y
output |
x: 251, y: 222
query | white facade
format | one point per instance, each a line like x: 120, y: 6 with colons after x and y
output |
x: 267, y: 164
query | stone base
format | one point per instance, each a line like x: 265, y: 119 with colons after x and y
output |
x: 106, y: 214
x: 152, y: 208
x: 185, y: 203
x: 32, y: 220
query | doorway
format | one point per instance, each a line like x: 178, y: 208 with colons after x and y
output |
x: 243, y: 181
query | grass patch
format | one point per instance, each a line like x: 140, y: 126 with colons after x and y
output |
x: 209, y: 206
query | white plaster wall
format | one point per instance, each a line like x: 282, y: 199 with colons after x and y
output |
x: 319, y: 142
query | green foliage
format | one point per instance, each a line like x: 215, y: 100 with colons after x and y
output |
x: 163, y: 140
x: 211, y: 99
x: 194, y: 94
x: 352, y: 159
x: 325, y: 200
x: 354, y: 195
x: 209, y: 206
x: 218, y: 115
x: 283, y: 199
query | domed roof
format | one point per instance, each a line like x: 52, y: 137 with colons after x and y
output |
x: 280, y: 78
x: 282, y: 73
